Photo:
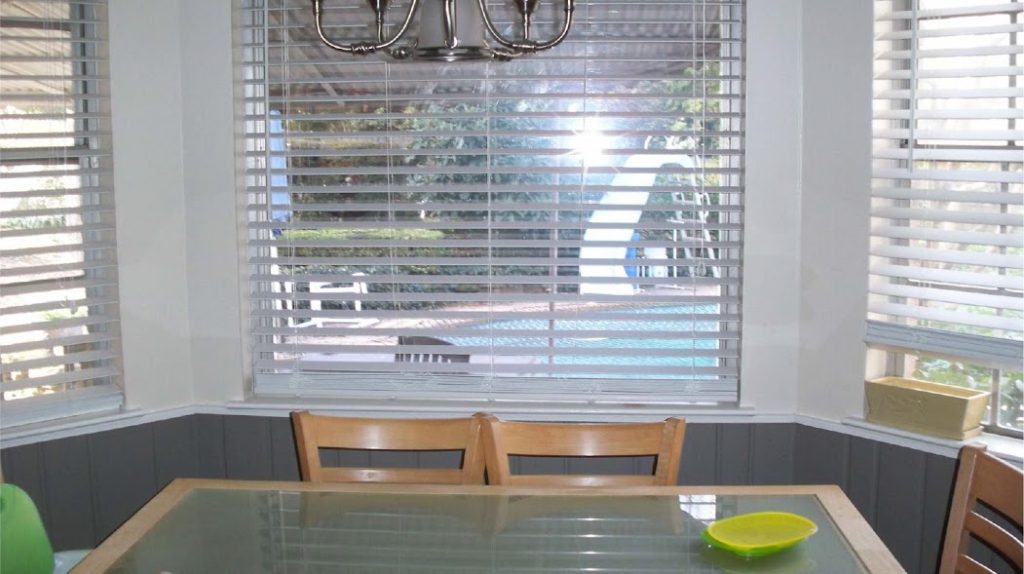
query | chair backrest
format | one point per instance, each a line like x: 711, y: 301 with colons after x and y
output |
x: 24, y: 546
x: 503, y: 438
x: 983, y: 478
x: 313, y: 432
x: 428, y: 356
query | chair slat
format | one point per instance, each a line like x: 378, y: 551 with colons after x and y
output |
x: 394, y: 475
x: 663, y: 440
x: 991, y: 481
x: 983, y: 477
x: 392, y: 434
x: 581, y: 439
x: 572, y: 481
x: 314, y: 432
x: 968, y: 565
x: 995, y: 537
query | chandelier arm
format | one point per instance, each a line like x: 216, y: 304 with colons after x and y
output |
x: 527, y: 45
x: 450, y: 41
x: 570, y: 7
x: 380, y: 25
x: 490, y: 25
x: 363, y: 47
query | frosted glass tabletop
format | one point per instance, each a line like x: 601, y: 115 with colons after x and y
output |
x: 279, y: 530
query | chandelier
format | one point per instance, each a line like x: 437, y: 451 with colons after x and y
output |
x: 450, y: 31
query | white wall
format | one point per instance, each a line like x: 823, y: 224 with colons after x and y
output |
x: 212, y: 220
x: 808, y: 176
x: 771, y: 260
x: 148, y: 180
x: 174, y: 155
x: 808, y: 137
x: 834, y: 220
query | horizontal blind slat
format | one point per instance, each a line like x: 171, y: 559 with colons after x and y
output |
x: 987, y: 259
x: 963, y: 278
x: 948, y: 236
x: 954, y: 317
x: 1009, y: 302
x: 972, y: 217
x: 83, y: 375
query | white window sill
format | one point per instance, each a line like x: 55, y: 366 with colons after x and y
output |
x: 1008, y: 448
x: 536, y: 410
x: 83, y: 424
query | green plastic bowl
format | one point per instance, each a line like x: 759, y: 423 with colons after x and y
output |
x: 759, y: 533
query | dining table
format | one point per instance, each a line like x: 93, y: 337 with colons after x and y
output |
x: 219, y: 526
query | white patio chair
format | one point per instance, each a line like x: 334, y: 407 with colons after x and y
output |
x: 328, y: 288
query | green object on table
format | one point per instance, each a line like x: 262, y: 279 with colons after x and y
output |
x: 758, y: 533
x: 24, y: 546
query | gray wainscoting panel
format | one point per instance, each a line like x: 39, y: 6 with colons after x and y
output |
x: 120, y: 489
x: 393, y: 459
x: 821, y: 457
x: 88, y: 485
x: 284, y: 458
x: 175, y: 449
x: 772, y: 453
x: 342, y: 457
x: 210, y: 446
x: 734, y: 442
x: 903, y: 493
x: 23, y: 465
x: 699, y: 465
x: 440, y: 459
x: 862, y: 482
x: 538, y: 465
x: 71, y: 496
x: 900, y: 513
x: 938, y: 490
x: 606, y: 465
x: 247, y: 448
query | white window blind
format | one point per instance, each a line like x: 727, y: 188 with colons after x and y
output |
x: 562, y: 227
x: 946, y: 247
x: 59, y: 340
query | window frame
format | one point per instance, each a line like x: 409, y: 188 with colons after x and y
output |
x: 89, y: 150
x: 893, y: 345
x: 251, y: 41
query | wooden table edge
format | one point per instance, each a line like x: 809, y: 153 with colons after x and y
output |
x: 861, y: 538
x: 106, y: 554
x: 858, y: 533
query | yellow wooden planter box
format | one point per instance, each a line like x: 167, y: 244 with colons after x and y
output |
x: 928, y: 408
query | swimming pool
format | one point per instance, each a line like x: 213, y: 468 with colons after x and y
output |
x: 631, y: 323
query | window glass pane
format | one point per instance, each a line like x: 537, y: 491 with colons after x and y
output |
x: 956, y: 373
x: 1011, y: 400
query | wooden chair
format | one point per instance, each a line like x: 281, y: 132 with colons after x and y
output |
x: 504, y: 438
x: 983, y: 478
x: 313, y: 432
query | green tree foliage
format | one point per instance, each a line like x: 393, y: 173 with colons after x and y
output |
x: 967, y: 375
